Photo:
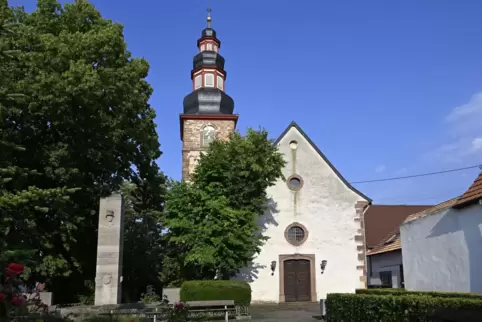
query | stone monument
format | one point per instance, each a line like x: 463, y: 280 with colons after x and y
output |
x: 108, y: 278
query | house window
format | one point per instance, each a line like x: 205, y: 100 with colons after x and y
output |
x: 197, y: 81
x: 386, y: 279
x: 210, y: 47
x: 220, y: 83
x: 208, y: 135
x: 209, y: 80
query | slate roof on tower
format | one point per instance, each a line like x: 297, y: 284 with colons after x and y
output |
x: 313, y: 145
x: 208, y: 75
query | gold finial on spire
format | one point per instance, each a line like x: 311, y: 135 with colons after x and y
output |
x: 209, y: 17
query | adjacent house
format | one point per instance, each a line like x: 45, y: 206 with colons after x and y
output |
x: 384, y: 255
x: 442, y: 245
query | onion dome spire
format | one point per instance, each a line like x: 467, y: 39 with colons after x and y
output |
x: 208, y: 77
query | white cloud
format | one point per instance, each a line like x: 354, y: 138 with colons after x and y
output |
x: 465, y: 119
x: 477, y: 144
x: 463, y: 142
x: 380, y: 168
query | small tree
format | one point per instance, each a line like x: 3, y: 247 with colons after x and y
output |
x: 214, y: 218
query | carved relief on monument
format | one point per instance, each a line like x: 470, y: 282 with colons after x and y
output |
x: 109, y: 217
x: 208, y: 135
x: 107, y: 279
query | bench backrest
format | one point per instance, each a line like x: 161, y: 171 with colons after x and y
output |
x: 210, y: 303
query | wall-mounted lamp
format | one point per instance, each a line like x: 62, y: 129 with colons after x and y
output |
x: 273, y: 267
x: 323, y: 265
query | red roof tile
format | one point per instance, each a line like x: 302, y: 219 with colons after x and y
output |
x: 431, y: 210
x: 472, y: 195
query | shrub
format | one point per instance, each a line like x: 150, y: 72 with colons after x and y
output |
x: 401, y: 291
x: 393, y: 308
x: 218, y: 290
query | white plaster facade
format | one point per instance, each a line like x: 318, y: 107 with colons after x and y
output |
x: 325, y: 206
x: 385, y: 262
x: 443, y: 251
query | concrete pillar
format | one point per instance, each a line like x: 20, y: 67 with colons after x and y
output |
x: 108, y: 288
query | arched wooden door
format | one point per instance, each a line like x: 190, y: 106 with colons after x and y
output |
x: 297, y: 283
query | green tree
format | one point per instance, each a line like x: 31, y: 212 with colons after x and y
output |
x: 84, y: 127
x: 143, y: 245
x: 213, y: 220
x: 18, y: 200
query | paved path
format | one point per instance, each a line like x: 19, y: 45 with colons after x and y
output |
x: 308, y: 312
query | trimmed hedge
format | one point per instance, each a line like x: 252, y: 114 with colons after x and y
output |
x: 401, y: 291
x: 395, y: 308
x: 218, y: 290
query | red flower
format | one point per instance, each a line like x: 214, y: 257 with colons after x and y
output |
x: 2, y: 297
x: 18, y: 300
x: 179, y: 306
x: 16, y: 268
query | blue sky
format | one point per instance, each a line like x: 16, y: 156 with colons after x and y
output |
x: 384, y: 88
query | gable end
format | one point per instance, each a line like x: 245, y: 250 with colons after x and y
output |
x: 313, y: 145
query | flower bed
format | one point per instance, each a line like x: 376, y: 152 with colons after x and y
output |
x: 12, y: 300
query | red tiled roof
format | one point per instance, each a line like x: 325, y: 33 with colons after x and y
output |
x: 381, y: 220
x: 390, y: 243
x: 431, y: 210
x: 473, y: 194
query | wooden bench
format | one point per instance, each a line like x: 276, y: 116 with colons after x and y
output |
x: 213, y: 308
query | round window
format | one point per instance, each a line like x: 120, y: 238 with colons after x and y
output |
x: 295, y: 182
x: 296, y: 234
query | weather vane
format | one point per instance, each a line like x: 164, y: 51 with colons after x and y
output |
x: 209, y: 17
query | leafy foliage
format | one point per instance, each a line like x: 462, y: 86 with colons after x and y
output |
x: 150, y: 296
x: 393, y: 308
x: 82, y: 127
x: 217, y: 290
x: 18, y: 200
x: 144, y: 198
x: 212, y: 220
x: 403, y: 292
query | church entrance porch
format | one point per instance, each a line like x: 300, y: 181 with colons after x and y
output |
x: 297, y: 278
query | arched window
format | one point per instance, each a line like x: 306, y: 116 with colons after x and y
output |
x: 208, y: 135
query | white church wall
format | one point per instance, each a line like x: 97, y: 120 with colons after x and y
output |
x: 326, y: 207
x: 443, y: 252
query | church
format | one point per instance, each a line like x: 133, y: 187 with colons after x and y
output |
x: 315, y: 217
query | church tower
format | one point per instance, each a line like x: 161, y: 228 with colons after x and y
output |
x: 208, y: 110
